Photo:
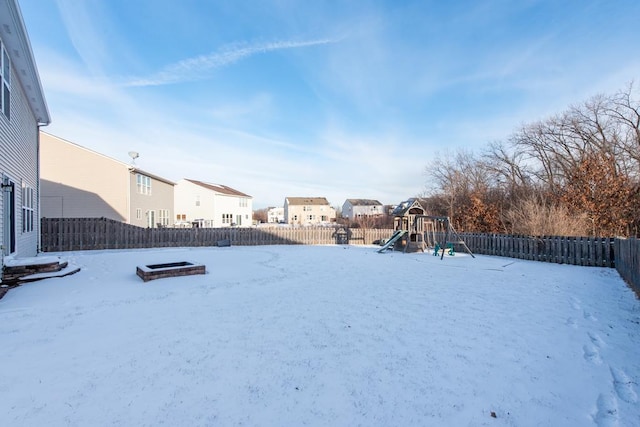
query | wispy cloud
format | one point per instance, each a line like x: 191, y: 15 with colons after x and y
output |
x: 198, y: 67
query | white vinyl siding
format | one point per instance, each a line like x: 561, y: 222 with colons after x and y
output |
x: 18, y: 163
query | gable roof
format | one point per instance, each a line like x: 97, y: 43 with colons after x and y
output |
x: 307, y: 201
x: 134, y: 169
x: 14, y: 36
x: 222, y: 189
x: 364, y: 202
x: 404, y: 207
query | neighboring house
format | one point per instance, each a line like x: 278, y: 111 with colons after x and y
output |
x: 358, y: 208
x: 308, y: 211
x: 275, y: 215
x: 23, y: 110
x: 202, y: 204
x: 80, y: 183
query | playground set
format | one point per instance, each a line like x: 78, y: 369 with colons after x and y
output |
x: 415, y: 231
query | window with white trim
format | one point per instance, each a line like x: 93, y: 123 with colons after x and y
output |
x: 242, y: 202
x: 138, y: 213
x: 27, y: 209
x: 5, y: 82
x: 163, y: 217
x: 227, y: 218
x: 144, y: 184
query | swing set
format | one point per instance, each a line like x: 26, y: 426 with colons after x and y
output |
x: 416, y: 231
x: 440, y: 235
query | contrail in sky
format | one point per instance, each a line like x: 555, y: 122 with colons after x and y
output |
x: 194, y: 68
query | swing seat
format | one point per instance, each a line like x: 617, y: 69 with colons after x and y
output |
x: 448, y: 247
x: 451, y: 251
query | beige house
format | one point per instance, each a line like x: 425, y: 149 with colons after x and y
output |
x: 23, y: 110
x: 80, y: 183
x: 308, y: 211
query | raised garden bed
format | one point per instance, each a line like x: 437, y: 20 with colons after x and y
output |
x: 170, y: 269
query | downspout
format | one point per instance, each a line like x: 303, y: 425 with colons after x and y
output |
x: 3, y: 237
x: 39, y: 216
x: 130, y: 173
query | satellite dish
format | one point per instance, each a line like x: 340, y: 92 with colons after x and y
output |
x: 134, y: 155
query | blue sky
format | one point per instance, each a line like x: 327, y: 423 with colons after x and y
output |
x: 341, y: 99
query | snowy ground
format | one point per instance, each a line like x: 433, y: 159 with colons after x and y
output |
x: 321, y: 336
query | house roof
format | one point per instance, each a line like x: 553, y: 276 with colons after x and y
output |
x: 222, y: 189
x: 150, y: 175
x: 16, y: 40
x: 307, y: 201
x: 364, y: 202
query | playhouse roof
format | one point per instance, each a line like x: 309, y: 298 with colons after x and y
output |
x: 403, y: 208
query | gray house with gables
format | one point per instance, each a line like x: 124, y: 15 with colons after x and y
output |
x: 358, y: 208
x: 23, y: 110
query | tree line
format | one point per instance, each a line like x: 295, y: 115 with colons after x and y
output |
x: 575, y: 173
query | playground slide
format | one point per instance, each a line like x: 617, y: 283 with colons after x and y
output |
x: 398, y: 234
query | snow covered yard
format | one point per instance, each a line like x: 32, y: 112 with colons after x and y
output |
x: 321, y: 336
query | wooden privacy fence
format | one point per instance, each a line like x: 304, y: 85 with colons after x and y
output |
x: 585, y: 251
x: 74, y: 234
x: 628, y: 261
x: 70, y: 234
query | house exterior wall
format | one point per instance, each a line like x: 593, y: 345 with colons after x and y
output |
x: 196, y: 202
x: 310, y: 214
x: 19, y: 164
x: 359, y: 211
x: 275, y: 215
x: 149, y: 210
x: 351, y: 211
x: 191, y: 202
x: 80, y: 183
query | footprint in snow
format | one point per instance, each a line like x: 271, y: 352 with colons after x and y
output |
x: 596, y: 340
x: 623, y: 386
x: 575, y: 303
x: 607, y: 415
x: 589, y: 316
x: 591, y: 354
x: 572, y: 322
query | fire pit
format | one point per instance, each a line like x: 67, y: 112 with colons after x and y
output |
x: 170, y: 269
